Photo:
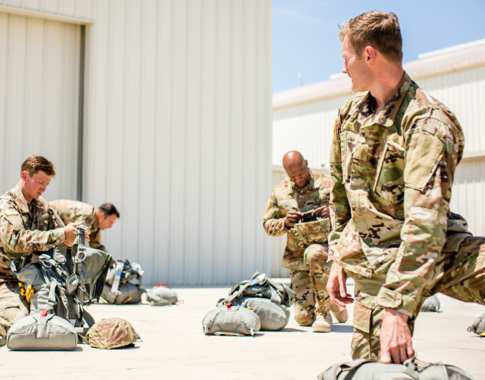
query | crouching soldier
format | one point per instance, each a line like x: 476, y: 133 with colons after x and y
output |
x: 96, y: 219
x: 27, y: 226
x: 305, y: 195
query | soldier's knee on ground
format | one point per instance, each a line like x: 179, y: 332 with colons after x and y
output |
x: 304, y: 317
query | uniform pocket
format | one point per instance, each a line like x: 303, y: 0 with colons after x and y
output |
x: 362, y: 317
x: 389, y: 182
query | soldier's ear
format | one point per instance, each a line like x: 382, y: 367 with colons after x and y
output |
x: 24, y: 175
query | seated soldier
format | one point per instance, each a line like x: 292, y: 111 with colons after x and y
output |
x: 305, y: 256
x: 97, y: 219
x: 27, y: 226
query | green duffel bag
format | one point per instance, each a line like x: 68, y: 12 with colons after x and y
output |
x: 273, y: 317
x: 431, y: 304
x: 478, y: 326
x: 231, y: 320
x: 42, y: 332
x: 412, y: 369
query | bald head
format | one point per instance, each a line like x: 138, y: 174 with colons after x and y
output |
x: 296, y: 167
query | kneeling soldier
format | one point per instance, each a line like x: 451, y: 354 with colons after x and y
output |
x: 306, y: 249
x: 27, y: 226
x: 96, y: 219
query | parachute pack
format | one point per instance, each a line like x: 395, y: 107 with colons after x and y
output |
x: 431, y: 304
x: 231, y: 320
x: 123, y: 283
x: 269, y: 300
x: 59, y: 283
x: 478, y: 326
x: 412, y: 369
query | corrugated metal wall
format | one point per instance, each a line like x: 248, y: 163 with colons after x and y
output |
x: 308, y: 128
x: 39, y: 88
x: 178, y: 131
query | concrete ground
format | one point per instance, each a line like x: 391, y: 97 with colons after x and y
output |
x: 174, y: 346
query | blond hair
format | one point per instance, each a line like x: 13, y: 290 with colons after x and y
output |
x: 377, y: 29
x: 34, y: 164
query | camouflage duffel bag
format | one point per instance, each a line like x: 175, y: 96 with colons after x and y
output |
x: 161, y: 295
x: 273, y: 317
x: 478, y: 326
x: 126, y: 294
x: 315, y: 232
x: 231, y: 320
x: 431, y: 304
x: 42, y: 332
x: 369, y: 369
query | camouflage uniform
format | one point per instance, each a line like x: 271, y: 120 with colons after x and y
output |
x: 393, y: 171
x: 24, y: 230
x: 73, y: 212
x: 306, y: 248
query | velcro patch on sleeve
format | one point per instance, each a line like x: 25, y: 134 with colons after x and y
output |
x: 11, y: 212
x: 422, y: 160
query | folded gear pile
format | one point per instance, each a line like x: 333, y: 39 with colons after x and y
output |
x: 269, y: 300
x: 123, y: 283
x: 161, y: 295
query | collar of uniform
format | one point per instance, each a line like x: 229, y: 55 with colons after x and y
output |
x: 292, y: 185
x: 385, y: 114
x: 19, y: 199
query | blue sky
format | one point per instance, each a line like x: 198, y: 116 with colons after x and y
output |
x: 305, y: 32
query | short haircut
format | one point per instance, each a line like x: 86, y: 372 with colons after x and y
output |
x: 109, y: 209
x: 34, y: 164
x: 377, y: 29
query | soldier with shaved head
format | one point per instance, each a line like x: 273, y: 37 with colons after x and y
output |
x: 298, y: 207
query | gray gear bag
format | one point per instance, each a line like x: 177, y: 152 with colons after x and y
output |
x: 162, y: 295
x: 123, y: 283
x: 478, y: 326
x: 269, y: 300
x: 412, y: 369
x: 431, y: 304
x: 231, y: 320
x: 39, y: 332
x: 127, y: 294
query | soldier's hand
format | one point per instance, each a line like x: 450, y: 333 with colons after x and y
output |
x: 292, y: 218
x: 336, y: 287
x: 322, y: 212
x: 396, y: 339
x: 70, y: 232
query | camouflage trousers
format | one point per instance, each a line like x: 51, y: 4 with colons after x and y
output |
x: 310, y: 285
x: 460, y: 275
x: 12, y: 308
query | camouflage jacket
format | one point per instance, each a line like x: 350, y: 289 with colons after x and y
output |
x: 393, y: 171
x: 286, y: 197
x: 25, y: 229
x: 73, y: 212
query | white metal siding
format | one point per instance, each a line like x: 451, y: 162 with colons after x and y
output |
x: 177, y: 134
x: 178, y: 131
x: 39, y: 88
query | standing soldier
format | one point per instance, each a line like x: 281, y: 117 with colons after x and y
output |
x: 393, y: 158
x: 306, y: 249
x: 27, y: 226
x: 97, y: 219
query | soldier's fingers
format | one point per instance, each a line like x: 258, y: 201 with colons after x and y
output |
x: 385, y: 357
x: 410, y: 349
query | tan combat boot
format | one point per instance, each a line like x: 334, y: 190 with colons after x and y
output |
x: 340, y: 313
x: 323, y: 323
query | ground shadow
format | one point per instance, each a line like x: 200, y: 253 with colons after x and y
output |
x: 342, y: 329
x: 290, y: 329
